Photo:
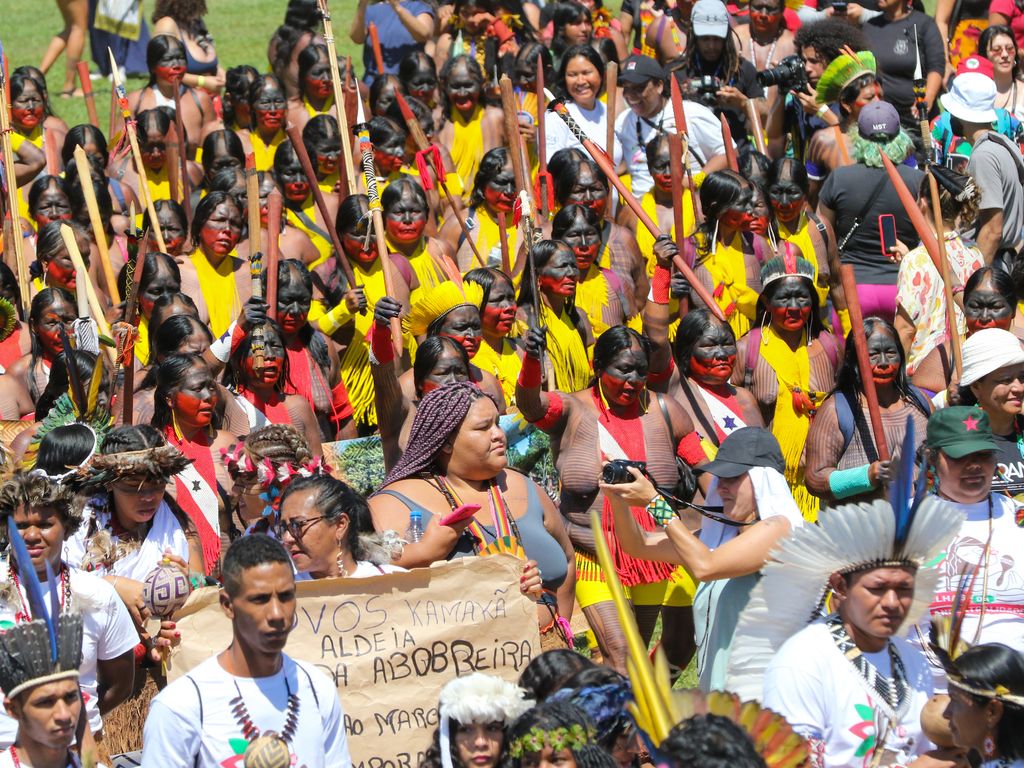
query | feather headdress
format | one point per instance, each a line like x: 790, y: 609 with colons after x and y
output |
x: 788, y: 264
x: 438, y: 302
x: 842, y: 71
x: 160, y: 463
x: 477, y: 698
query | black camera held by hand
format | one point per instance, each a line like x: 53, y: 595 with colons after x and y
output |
x: 788, y: 74
x: 616, y: 471
x: 703, y: 89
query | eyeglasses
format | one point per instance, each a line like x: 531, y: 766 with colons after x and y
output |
x: 296, y: 528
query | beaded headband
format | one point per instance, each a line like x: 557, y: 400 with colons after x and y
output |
x: 535, y: 739
x: 998, y: 692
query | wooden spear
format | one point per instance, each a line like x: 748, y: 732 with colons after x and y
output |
x: 346, y: 172
x: 605, y: 164
x: 252, y: 205
x: 730, y: 148
x: 947, y: 283
x: 96, y: 220
x: 87, y: 94
x: 127, y: 337
x: 378, y: 54
x: 679, y: 113
x: 611, y: 85
x: 179, y: 129
x: 675, y: 149
x: 512, y: 135
x: 275, y: 204
x: 14, y: 241
x: 860, y: 344
x: 82, y: 276
x: 544, y: 183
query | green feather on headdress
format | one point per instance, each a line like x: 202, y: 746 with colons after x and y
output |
x: 843, y: 70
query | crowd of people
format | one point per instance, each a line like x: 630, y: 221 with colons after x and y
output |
x: 748, y: 278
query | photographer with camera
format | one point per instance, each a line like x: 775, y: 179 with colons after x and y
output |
x: 749, y: 511
x: 711, y: 71
x: 766, y: 42
x: 617, y: 417
x: 645, y: 89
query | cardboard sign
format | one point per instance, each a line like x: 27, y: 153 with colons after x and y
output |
x: 390, y: 643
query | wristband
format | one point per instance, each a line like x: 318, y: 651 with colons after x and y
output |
x: 822, y: 110
x: 690, y: 450
x: 382, y: 351
x: 552, y: 414
x: 529, y: 374
x: 335, y: 319
x: 201, y: 81
x: 844, y: 483
x: 659, y: 509
x: 660, y: 283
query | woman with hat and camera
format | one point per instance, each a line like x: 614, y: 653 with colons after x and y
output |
x: 756, y: 512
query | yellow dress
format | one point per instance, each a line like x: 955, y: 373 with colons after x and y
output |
x: 505, y: 366
x: 728, y: 270
x: 305, y: 220
x: 159, y: 184
x: 264, y: 152
x: 17, y: 139
x: 313, y: 111
x: 219, y: 289
x: 565, y: 351
x: 801, y: 238
x: 645, y: 240
x: 426, y: 270
x: 467, y: 147
x: 487, y: 235
x: 142, y: 341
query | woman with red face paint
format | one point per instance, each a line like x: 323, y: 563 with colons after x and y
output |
x: 578, y: 179
x: 766, y: 41
x: 184, y: 410
x: 52, y: 267
x: 166, y: 61
x: 920, y: 298
x: 94, y: 144
x: 222, y: 150
x: 213, y: 275
x: 47, y: 201
x: 500, y: 350
x: 51, y: 308
x: 316, y: 96
x: 173, y: 226
x: 471, y: 128
x: 154, y: 127
x: 554, y: 291
x: 183, y: 19
x: 260, y: 389
x: 842, y: 464
x: 616, y: 417
x: 300, y: 208
x: 728, y: 253
x: 160, y: 277
x: 32, y: 118
x: 788, y: 362
x: 406, y: 214
x: 291, y: 240
x: 266, y: 131
x: 322, y: 141
x: 600, y: 292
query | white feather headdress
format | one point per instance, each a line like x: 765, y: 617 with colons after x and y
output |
x: 478, y: 698
x: 794, y: 581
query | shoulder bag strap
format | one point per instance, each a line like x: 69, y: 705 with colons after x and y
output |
x: 864, y: 209
x: 709, y: 431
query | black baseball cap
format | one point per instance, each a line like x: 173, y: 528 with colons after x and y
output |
x: 744, y: 449
x: 640, y: 69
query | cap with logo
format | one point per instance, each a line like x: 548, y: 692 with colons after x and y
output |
x: 709, y: 18
x: 978, y: 64
x: 744, y: 449
x: 639, y: 69
x: 879, y: 121
x: 959, y: 431
x: 972, y: 98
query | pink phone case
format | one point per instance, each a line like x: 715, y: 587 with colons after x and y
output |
x: 461, y: 514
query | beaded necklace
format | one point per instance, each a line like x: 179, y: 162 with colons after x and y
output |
x: 24, y: 614
x: 72, y: 760
x: 251, y: 732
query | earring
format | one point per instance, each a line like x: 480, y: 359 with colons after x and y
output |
x: 764, y: 327
x: 341, y: 563
x: 988, y: 747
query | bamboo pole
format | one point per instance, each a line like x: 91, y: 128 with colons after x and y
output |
x: 347, y: 170
x: 96, y: 220
x: 14, y: 241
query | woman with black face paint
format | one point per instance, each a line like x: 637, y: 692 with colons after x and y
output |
x: 292, y: 241
x: 300, y: 208
x: 266, y: 132
x: 842, y: 458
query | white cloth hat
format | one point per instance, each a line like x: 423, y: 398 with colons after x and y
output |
x: 709, y: 18
x: 972, y: 97
x: 989, y: 350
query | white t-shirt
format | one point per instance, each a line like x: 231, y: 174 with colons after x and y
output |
x: 821, y: 694
x: 192, y: 723
x: 165, y: 533
x: 634, y: 132
x: 7, y: 761
x: 108, y: 632
x: 364, y: 569
x: 593, y: 122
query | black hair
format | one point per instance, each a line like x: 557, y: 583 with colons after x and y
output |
x: 333, y: 498
x: 131, y: 437
x: 994, y: 664
x: 549, y: 671
x: 171, y: 205
x: 381, y: 82
x: 543, y: 252
x: 392, y: 195
x: 300, y: 17
x: 65, y: 448
x: 794, y: 168
x: 563, y: 14
x: 586, y: 51
x: 383, y: 129
x: 995, y: 30
x: 25, y: 74
x: 472, y: 67
x: 150, y: 269
x: 424, y: 115
x: 605, y: 48
x: 754, y: 166
x: 427, y: 355
x: 58, y: 383
x: 567, y: 215
x: 490, y: 166
x: 719, y: 191
x: 848, y: 379
x: 851, y: 91
x: 691, y: 328
x: 318, y: 131
x: 710, y: 741
x: 564, y: 167
x: 1001, y: 281
x: 486, y: 277
x: 351, y: 211
x: 264, y: 82
x: 414, y: 63
x: 79, y: 136
x: 9, y: 286
x: 233, y: 373
x: 169, y: 374
x: 206, y: 208
x: 226, y: 180
x: 155, y: 50
x: 247, y: 552
x: 41, y: 302
x: 40, y: 185
x: 161, y: 117
x: 615, y: 340
x: 231, y: 144
x: 237, y: 81
x: 560, y: 714
x: 310, y: 336
x: 527, y: 60
x: 173, y: 332
x: 829, y: 37
x: 309, y: 57
x: 79, y: 207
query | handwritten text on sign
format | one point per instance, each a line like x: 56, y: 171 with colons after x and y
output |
x: 390, y: 643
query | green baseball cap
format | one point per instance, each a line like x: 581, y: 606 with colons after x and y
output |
x: 960, y: 430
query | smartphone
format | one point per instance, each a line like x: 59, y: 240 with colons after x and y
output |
x: 839, y: 8
x: 887, y: 228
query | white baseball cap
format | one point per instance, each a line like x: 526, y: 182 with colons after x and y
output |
x: 972, y: 97
x: 709, y: 18
x: 989, y: 350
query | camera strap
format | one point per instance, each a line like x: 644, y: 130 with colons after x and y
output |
x: 863, y: 210
x: 711, y: 513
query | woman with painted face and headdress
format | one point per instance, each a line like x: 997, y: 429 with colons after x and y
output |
x: 291, y: 240
x: 474, y: 710
x: 166, y: 60
x: 346, y: 320
x: 51, y: 309
x: 841, y: 460
x: 129, y: 521
x: 500, y: 351
x: 920, y: 298
x: 789, y: 361
x: 213, y: 274
x: 616, y: 417
x: 260, y: 467
x: 471, y: 127
x: 728, y: 261
x: 851, y: 82
x: 456, y: 457
x: 407, y: 216
x: 266, y: 132
x: 299, y: 206
x: 600, y: 292
x: 578, y: 179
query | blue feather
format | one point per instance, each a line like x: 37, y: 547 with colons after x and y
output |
x: 54, y: 622
x: 33, y: 589
x: 901, y: 486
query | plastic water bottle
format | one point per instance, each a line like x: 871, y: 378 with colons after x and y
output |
x: 415, y: 530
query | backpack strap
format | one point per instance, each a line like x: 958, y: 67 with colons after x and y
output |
x: 848, y: 423
x: 753, y: 353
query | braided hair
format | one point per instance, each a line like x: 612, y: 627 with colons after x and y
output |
x: 439, y: 416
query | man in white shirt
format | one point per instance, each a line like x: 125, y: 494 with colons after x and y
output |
x: 251, y: 699
x: 645, y: 89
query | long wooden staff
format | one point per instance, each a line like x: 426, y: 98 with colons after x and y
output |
x: 755, y: 127
x: 730, y: 148
x: 321, y: 203
x: 14, y: 241
x: 506, y: 262
x: 347, y: 171
x: 432, y: 158
x: 126, y: 334
x: 545, y: 186
x: 275, y: 204
x: 605, y: 164
x: 377, y: 217
x: 378, y: 54
x: 87, y: 94
x: 920, y: 89
x: 611, y: 86
x: 82, y: 275
x: 173, y: 166
x: 947, y: 283
x: 96, y: 220
x: 51, y: 152
x: 133, y: 140
x: 179, y: 129
x: 252, y: 205
x: 860, y: 344
x: 512, y: 135
x: 679, y: 113
x: 675, y: 150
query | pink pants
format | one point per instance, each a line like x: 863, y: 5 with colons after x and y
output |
x: 878, y: 301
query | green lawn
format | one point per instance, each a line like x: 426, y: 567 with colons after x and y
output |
x: 241, y: 29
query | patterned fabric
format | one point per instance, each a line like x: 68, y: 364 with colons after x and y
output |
x: 892, y: 694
